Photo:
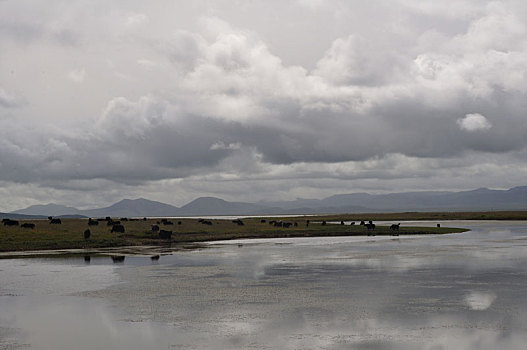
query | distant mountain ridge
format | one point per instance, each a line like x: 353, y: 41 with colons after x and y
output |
x: 479, y: 199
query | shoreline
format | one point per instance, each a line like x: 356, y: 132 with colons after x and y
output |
x: 184, y: 233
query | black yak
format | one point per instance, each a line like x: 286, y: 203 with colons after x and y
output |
x: 87, y: 234
x: 9, y: 222
x: 55, y: 221
x: 155, y: 228
x: 370, y: 226
x: 117, y: 228
x: 395, y: 227
x: 27, y: 225
x: 165, y: 234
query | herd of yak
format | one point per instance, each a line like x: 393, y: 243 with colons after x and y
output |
x: 118, y: 227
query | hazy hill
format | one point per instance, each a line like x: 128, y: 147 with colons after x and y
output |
x: 479, y: 199
x: 135, y: 207
x: 48, y: 210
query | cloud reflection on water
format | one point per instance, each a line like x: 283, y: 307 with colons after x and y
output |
x: 451, y: 292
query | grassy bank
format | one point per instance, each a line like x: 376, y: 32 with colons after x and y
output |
x: 69, y: 234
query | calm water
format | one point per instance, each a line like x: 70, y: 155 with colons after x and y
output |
x: 463, y: 291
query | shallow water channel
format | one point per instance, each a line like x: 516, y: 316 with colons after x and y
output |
x: 459, y: 291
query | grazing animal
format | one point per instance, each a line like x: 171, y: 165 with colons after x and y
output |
x: 272, y: 222
x: 370, y: 226
x: 108, y: 218
x: 55, y: 221
x: 342, y: 222
x: 238, y: 222
x: 87, y: 258
x: 286, y: 224
x: 438, y: 225
x: 166, y: 222
x: 362, y: 222
x: 155, y: 228
x: 278, y: 224
x: 262, y: 221
x: 179, y: 222
x: 117, y: 228
x: 9, y: 222
x: 50, y: 217
x: 118, y: 258
x: 92, y: 222
x: 395, y: 227
x: 295, y: 224
x: 27, y: 225
x: 154, y: 257
x: 111, y: 223
x: 87, y: 234
x: 352, y: 223
x: 206, y: 222
x: 307, y: 223
x: 165, y: 234
x: 124, y: 219
x: 324, y: 223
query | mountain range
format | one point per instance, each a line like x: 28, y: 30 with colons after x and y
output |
x: 479, y: 199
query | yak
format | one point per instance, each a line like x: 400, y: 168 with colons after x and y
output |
x: 117, y: 228
x: 28, y: 225
x: 165, y: 234
x: 9, y: 222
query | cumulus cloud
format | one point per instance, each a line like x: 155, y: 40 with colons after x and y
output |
x: 474, y: 122
x: 211, y: 99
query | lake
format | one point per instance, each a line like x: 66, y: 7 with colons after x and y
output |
x: 459, y: 291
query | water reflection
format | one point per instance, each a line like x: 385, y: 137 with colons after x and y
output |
x: 461, y: 291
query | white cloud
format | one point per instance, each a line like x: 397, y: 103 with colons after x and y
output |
x: 136, y: 19
x: 77, y: 75
x: 474, y: 122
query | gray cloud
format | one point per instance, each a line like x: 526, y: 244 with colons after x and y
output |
x: 126, y: 95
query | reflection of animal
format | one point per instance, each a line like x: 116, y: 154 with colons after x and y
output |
x: 117, y: 258
x: 117, y: 228
x: 27, y: 225
x: 370, y: 226
x: 395, y: 227
x: 55, y: 221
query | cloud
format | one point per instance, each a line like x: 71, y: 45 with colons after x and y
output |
x: 77, y: 75
x: 208, y: 94
x: 474, y: 122
x: 10, y: 100
x: 480, y: 300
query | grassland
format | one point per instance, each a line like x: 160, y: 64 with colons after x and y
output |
x: 69, y: 234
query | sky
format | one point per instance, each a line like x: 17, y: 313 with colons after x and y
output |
x: 258, y: 100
